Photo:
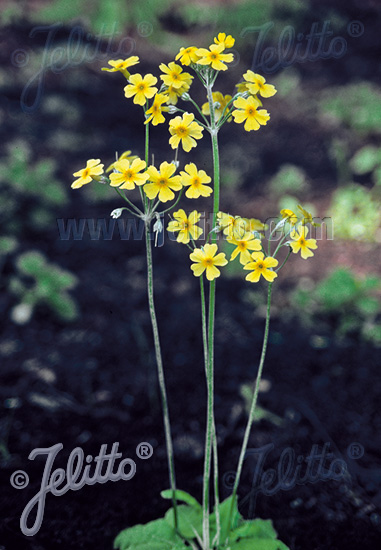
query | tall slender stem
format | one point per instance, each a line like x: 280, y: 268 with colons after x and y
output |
x: 253, y: 405
x: 146, y: 155
x: 210, y: 428
x: 214, y: 435
x: 160, y: 371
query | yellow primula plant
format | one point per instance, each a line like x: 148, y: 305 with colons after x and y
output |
x: 159, y: 188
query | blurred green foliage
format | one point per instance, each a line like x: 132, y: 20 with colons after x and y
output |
x: 368, y: 160
x: 356, y: 105
x: 356, y: 213
x: 157, y: 20
x: 289, y: 179
x: 40, y: 282
x: 349, y: 303
x: 29, y: 190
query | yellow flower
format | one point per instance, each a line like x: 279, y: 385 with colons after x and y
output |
x: 187, y: 55
x: 242, y: 87
x: 186, y: 226
x: 174, y: 75
x: 86, y: 175
x: 243, y: 247
x: 219, y: 109
x: 162, y: 182
x: 247, y: 111
x: 301, y: 243
x: 257, y: 84
x: 252, y: 224
x: 289, y: 215
x: 261, y: 266
x: 233, y: 226
x: 227, y: 41
x: 126, y: 155
x: 205, y: 259
x: 214, y: 57
x: 196, y: 179
x: 141, y: 87
x: 128, y: 174
x: 184, y: 129
x: 121, y: 65
x: 156, y: 110
x: 174, y: 93
x: 307, y: 217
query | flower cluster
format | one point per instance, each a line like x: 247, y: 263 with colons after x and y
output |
x: 247, y: 237
x: 159, y: 96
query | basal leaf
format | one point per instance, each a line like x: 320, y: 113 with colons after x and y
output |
x: 154, y: 535
x: 189, y: 520
x: 256, y: 528
x: 182, y: 496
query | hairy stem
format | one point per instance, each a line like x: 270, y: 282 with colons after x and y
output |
x: 210, y: 428
x: 160, y: 371
x: 253, y: 405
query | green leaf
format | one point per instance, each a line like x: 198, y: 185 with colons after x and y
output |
x: 189, y: 520
x: 7, y: 245
x: 259, y: 544
x: 368, y: 305
x: 256, y: 528
x: 339, y: 289
x: 366, y: 159
x: 376, y: 176
x: 224, y: 509
x: 182, y: 496
x: 155, y: 535
x: 64, y: 306
x: 31, y: 263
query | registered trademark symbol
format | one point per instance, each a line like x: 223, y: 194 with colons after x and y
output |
x: 355, y: 29
x: 355, y: 451
x: 144, y: 450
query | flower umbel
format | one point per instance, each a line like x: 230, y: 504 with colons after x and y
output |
x: 128, y: 174
x: 142, y: 88
x: 163, y: 182
x: 243, y: 247
x: 86, y: 175
x: 205, y: 258
x: 261, y: 266
x: 214, y: 57
x: 195, y: 180
x: 184, y: 129
x: 247, y: 110
x: 301, y: 243
x: 186, y: 226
